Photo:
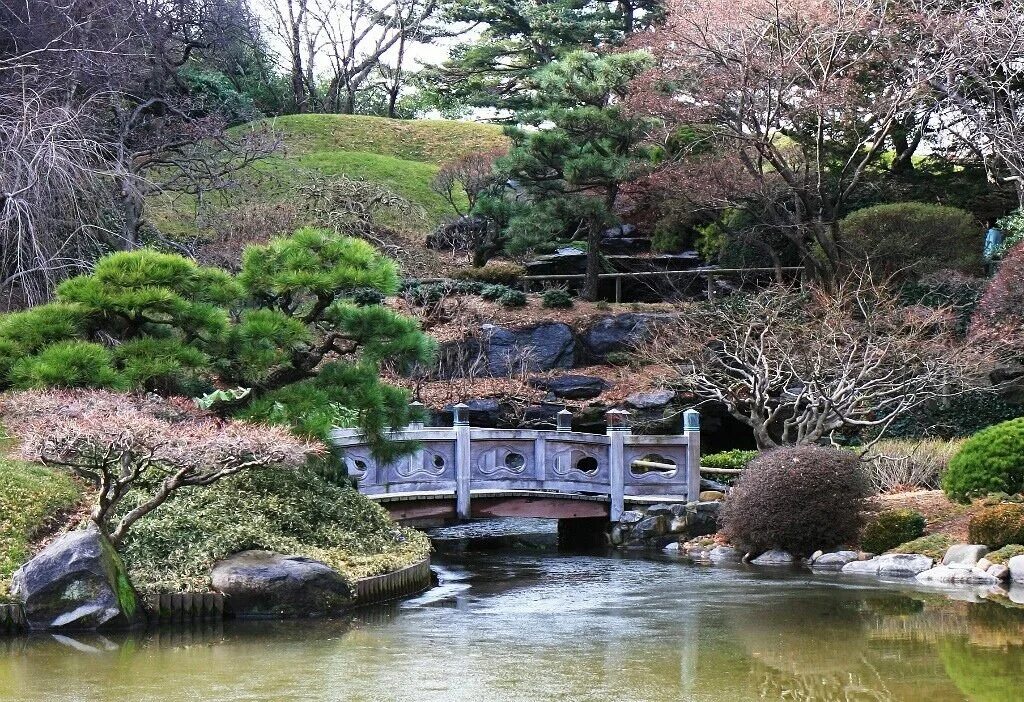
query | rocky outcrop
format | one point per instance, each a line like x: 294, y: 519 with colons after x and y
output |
x: 571, y: 386
x: 614, y: 333
x: 834, y: 560
x: 77, y: 583
x: 266, y: 584
x: 655, y: 399
x: 541, y: 347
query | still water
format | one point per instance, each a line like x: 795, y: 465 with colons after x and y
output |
x: 531, y: 624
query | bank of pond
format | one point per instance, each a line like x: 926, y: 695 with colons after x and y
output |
x: 530, y: 623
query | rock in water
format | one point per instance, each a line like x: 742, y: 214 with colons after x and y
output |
x: 903, y: 565
x: 834, y: 560
x: 77, y: 583
x: 775, y: 557
x: 266, y: 584
x: 964, y: 556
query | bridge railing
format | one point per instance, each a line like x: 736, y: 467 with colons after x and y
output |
x: 462, y: 458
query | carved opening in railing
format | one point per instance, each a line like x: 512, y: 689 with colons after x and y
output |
x: 515, y: 461
x: 501, y: 460
x: 588, y: 465
x: 653, y: 463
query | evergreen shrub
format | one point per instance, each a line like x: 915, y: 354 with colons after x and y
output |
x: 495, y: 273
x: 913, y: 237
x: 990, y: 461
x: 556, y: 298
x: 889, y: 529
x: 512, y: 298
x: 998, y: 526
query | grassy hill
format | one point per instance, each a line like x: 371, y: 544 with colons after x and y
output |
x: 403, y: 154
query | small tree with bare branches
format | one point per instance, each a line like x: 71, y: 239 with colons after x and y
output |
x: 124, y: 443
x: 799, y: 366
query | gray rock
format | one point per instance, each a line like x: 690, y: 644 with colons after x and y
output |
x: 655, y: 510
x: 631, y: 516
x: 724, y: 554
x: 775, y: 557
x: 868, y: 567
x: 706, y: 484
x: 77, y: 583
x: 571, y: 387
x: 834, y: 560
x: 266, y: 584
x: 998, y: 570
x: 652, y: 527
x: 1016, y: 565
x: 614, y: 333
x: 816, y: 555
x: 679, y: 525
x: 482, y: 412
x: 678, y: 510
x: 964, y: 555
x: 540, y: 347
x: 945, y: 575
x: 983, y: 564
x: 672, y: 547
x: 903, y: 565
x: 655, y: 399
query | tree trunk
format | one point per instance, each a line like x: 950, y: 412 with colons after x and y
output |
x: 592, y: 282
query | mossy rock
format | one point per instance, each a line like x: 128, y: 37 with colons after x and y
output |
x: 934, y: 546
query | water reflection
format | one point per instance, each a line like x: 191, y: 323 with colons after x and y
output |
x: 532, y: 626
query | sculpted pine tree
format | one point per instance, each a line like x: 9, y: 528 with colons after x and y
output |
x: 287, y: 328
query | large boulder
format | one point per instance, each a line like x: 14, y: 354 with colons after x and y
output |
x: 571, y: 387
x: 77, y: 583
x: 653, y: 399
x: 775, y: 557
x: 614, y: 333
x: 1016, y: 565
x: 964, y: 556
x: 266, y: 584
x: 949, y: 575
x: 540, y: 347
x: 903, y: 565
x: 834, y: 560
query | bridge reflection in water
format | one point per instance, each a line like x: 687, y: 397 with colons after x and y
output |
x: 463, y: 472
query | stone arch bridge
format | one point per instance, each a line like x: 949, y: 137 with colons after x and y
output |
x: 463, y: 472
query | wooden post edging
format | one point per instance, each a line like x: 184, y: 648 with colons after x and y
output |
x: 392, y: 586
x: 180, y: 607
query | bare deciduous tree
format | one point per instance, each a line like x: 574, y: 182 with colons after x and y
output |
x: 125, y: 443
x: 800, y: 96
x: 798, y: 366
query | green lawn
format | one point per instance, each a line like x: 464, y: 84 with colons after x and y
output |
x: 29, y: 496
x: 403, y: 154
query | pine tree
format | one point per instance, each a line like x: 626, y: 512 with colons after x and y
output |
x: 582, y: 146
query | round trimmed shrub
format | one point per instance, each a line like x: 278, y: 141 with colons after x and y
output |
x: 798, y: 499
x: 918, y: 237
x: 556, y: 298
x: 997, y: 526
x: 890, y: 529
x: 494, y: 293
x: 990, y: 461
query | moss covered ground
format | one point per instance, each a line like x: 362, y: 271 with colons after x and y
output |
x: 402, y: 154
x: 33, y: 500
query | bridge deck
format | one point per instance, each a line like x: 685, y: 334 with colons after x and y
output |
x: 425, y: 507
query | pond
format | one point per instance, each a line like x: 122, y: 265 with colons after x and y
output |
x: 524, y: 624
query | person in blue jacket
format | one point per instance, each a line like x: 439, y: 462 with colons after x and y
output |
x: 993, y: 244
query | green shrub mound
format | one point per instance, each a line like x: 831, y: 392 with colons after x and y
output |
x: 734, y: 458
x: 934, y: 546
x: 990, y: 461
x: 912, y: 238
x: 1003, y: 555
x: 29, y: 497
x: 556, y: 299
x: 494, y: 272
x: 287, y: 511
x: 512, y: 298
x: 798, y: 499
x: 494, y: 293
x: 890, y: 529
x: 998, y: 526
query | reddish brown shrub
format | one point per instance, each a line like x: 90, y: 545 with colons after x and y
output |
x: 798, y: 499
x: 999, y: 317
x: 122, y: 443
x: 998, y: 526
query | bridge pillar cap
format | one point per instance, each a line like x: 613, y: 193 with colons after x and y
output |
x: 617, y: 418
x: 459, y: 415
x: 564, y: 418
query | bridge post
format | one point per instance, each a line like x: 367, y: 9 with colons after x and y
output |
x: 691, y: 430
x: 618, y: 428
x: 463, y: 464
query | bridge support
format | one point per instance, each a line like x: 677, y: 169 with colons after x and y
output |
x: 463, y: 461
x: 618, y: 428
x: 583, y: 534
